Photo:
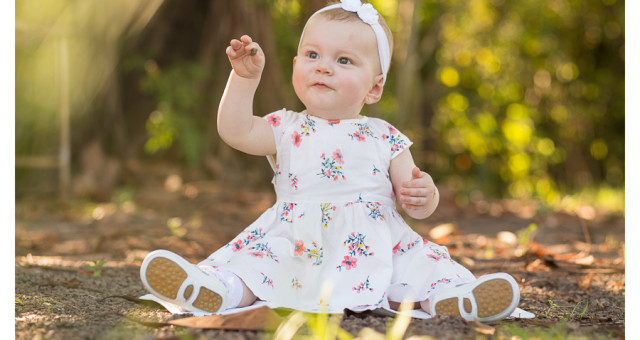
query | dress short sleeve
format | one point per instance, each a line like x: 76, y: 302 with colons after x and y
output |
x: 279, y: 121
x: 398, y: 142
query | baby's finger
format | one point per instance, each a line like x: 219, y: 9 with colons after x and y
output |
x: 412, y: 200
x: 417, y: 192
x: 408, y: 207
x: 416, y: 173
x: 236, y: 44
x: 246, y: 40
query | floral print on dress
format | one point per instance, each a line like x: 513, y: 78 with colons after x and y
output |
x: 357, y: 246
x: 362, y: 132
x: 439, y: 254
x: 276, y: 174
x: 298, y: 248
x: 307, y: 127
x: 266, y: 280
x: 333, y: 122
x: 296, y: 138
x: 253, y: 235
x: 348, y: 262
x: 373, y: 208
x: 326, y: 209
x: 293, y: 179
x: 295, y: 283
x: 395, y: 139
x: 315, y: 253
x: 399, y: 249
x: 262, y: 250
x: 286, y: 215
x: 440, y: 282
x: 363, y: 286
x: 274, y: 119
x: 378, y: 171
x: 331, y: 167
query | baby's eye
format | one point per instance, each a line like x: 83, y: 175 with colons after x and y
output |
x: 312, y: 55
x: 344, y: 61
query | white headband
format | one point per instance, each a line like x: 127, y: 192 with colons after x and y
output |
x: 369, y: 16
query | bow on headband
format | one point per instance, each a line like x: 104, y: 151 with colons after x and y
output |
x: 368, y: 15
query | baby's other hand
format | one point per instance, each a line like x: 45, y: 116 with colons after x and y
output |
x: 418, y: 195
x: 246, y: 57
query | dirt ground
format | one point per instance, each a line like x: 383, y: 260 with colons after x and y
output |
x: 571, y: 269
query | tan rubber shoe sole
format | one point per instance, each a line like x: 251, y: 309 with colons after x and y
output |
x: 492, y: 298
x: 165, y: 277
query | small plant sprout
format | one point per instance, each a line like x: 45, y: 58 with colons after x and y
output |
x: 555, y: 308
x: 19, y: 302
x: 96, y: 267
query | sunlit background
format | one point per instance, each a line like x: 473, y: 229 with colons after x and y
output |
x: 503, y: 99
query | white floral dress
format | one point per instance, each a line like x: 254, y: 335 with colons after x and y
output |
x: 334, y: 240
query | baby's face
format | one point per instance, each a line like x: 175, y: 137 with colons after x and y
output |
x: 336, y: 67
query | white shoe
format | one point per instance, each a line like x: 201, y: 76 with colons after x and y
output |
x: 170, y: 277
x: 492, y: 297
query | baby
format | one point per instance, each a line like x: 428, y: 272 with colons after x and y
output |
x: 333, y: 239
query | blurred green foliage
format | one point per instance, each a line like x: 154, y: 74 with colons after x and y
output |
x: 175, y: 119
x: 532, y: 96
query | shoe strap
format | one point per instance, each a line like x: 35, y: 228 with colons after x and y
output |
x: 189, y: 281
x: 473, y: 315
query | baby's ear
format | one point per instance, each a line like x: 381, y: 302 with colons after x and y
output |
x: 375, y: 93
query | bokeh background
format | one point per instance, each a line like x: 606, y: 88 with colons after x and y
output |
x: 503, y: 99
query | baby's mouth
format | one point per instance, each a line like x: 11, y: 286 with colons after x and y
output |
x: 320, y: 85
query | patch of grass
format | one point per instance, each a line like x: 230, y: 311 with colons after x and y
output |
x: 515, y: 331
x: 44, y: 302
x: 96, y: 267
x: 568, y: 312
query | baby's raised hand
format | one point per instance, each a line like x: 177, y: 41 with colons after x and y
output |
x: 246, y: 57
x: 418, y: 195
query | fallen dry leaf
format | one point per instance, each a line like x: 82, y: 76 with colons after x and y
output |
x: 259, y: 319
x: 585, y: 284
x: 481, y: 328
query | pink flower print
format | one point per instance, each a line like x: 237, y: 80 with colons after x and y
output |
x: 236, y: 246
x: 392, y: 130
x: 333, y: 122
x: 396, y: 248
x: 363, y: 286
x: 433, y: 257
x: 331, y: 167
x: 349, y: 262
x: 274, y: 120
x: 299, y: 248
x: 337, y: 155
x: 294, y: 181
x: 296, y: 138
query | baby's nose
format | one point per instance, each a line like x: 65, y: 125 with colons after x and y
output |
x: 324, y: 67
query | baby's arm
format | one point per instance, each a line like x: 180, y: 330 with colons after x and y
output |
x: 414, y: 188
x: 237, y: 125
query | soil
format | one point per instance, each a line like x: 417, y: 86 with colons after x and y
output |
x: 571, y: 268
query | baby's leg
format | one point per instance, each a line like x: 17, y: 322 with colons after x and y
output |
x: 396, y: 305
x: 248, y: 298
